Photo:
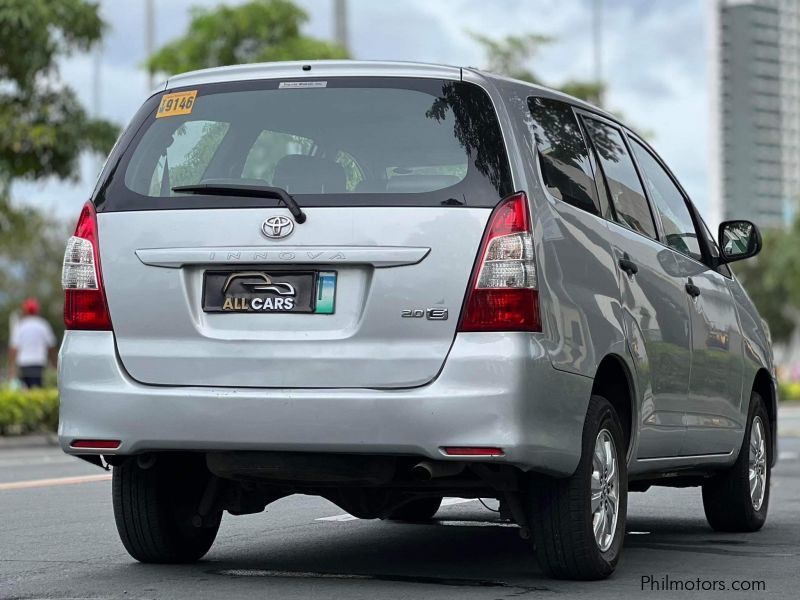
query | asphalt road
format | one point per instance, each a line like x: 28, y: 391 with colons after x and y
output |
x: 58, y: 540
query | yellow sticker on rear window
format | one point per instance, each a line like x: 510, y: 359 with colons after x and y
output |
x: 179, y: 103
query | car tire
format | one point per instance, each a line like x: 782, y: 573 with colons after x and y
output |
x: 416, y: 511
x: 563, y: 512
x: 729, y: 502
x: 154, y: 509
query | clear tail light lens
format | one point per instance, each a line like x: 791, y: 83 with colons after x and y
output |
x: 503, y: 293
x: 78, y: 272
x: 85, y: 305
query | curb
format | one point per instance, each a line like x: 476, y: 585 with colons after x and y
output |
x: 35, y: 440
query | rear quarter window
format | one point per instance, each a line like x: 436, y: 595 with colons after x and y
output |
x: 563, y: 155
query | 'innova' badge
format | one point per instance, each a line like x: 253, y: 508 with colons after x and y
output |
x: 277, y: 227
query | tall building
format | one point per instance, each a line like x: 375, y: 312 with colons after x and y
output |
x: 755, y: 95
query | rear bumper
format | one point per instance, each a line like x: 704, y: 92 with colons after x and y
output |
x: 496, y: 389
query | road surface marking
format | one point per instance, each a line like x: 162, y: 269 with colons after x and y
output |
x: 289, y: 574
x: 788, y: 455
x: 36, y: 483
x: 345, y: 517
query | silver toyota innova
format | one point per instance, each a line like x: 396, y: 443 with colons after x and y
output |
x: 385, y: 283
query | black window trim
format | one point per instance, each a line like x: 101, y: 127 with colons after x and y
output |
x: 697, y: 220
x: 601, y: 179
x: 607, y: 209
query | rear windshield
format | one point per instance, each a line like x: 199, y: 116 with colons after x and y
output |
x: 340, y: 142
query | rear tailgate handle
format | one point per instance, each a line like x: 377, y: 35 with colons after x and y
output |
x: 377, y: 256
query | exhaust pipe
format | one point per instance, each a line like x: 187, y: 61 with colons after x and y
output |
x: 428, y: 469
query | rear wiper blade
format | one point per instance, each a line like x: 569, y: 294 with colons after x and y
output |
x: 246, y: 191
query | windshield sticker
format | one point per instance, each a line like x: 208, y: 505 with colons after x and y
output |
x: 287, y: 85
x: 179, y: 103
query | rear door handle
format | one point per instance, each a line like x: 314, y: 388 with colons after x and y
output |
x: 692, y: 289
x: 627, y: 265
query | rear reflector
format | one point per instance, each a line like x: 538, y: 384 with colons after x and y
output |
x: 503, y: 295
x: 472, y: 451
x: 96, y: 444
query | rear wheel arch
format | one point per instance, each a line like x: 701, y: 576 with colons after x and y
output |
x: 613, y: 380
x: 764, y: 387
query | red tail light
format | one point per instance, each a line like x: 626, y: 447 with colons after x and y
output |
x: 85, y: 305
x: 502, y: 295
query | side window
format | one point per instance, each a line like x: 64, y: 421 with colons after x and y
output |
x: 563, y: 156
x: 624, y: 187
x: 676, y: 219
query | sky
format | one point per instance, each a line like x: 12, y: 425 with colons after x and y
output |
x: 654, y: 61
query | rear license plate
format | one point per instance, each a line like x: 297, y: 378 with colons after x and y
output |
x: 266, y: 291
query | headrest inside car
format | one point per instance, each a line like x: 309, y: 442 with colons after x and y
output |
x: 300, y: 174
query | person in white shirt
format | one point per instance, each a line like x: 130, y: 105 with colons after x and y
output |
x: 32, y: 344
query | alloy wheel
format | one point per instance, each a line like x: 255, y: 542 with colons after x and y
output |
x: 757, y: 465
x: 604, y: 490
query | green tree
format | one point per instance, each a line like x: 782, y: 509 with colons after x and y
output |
x: 772, y: 279
x: 43, y: 128
x: 512, y: 55
x: 257, y: 31
x: 30, y: 265
x: 43, y: 132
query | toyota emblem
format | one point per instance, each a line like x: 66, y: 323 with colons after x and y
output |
x: 277, y: 227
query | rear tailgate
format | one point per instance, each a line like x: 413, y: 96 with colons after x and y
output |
x: 397, y: 176
x: 386, y: 261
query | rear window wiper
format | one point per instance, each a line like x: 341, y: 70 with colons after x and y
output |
x: 246, y: 191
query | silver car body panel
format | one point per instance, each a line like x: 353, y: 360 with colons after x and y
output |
x: 587, y: 317
x: 319, y: 68
x: 524, y: 392
x: 484, y: 396
x: 387, y: 260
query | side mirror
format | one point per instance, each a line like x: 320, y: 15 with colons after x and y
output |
x: 738, y: 240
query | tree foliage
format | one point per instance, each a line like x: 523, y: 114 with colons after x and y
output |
x: 257, y: 31
x: 30, y: 264
x: 43, y: 132
x: 772, y: 280
x: 511, y: 56
x: 43, y: 128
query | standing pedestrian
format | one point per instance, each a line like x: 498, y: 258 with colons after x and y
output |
x: 32, y: 344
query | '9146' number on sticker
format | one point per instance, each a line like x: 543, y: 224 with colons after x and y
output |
x: 179, y: 103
